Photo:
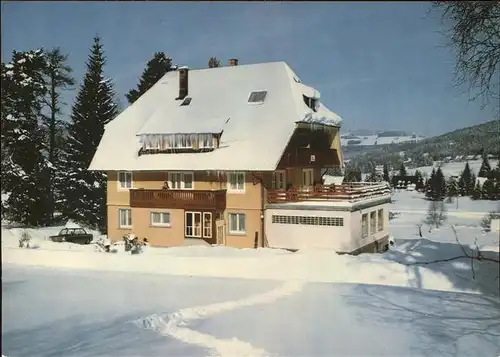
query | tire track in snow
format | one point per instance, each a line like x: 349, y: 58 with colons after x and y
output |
x: 173, y: 324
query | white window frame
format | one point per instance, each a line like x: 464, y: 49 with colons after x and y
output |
x: 183, y: 141
x: 365, y: 228
x: 279, y: 179
x: 236, y: 230
x: 162, y: 223
x: 193, y: 234
x: 207, y: 231
x: 128, y: 217
x: 380, y: 220
x: 122, y: 185
x: 182, y: 181
x: 236, y: 175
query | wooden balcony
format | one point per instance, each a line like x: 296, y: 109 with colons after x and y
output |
x: 350, y: 192
x: 178, y: 199
x: 305, y: 157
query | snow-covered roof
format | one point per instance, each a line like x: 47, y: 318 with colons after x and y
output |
x: 254, y: 137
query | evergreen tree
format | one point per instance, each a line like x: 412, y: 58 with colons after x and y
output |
x: 420, y: 180
x: 213, y: 62
x: 495, y: 173
x: 439, y: 185
x: 155, y: 69
x: 372, y: 176
x: 352, y: 174
x: 386, y: 173
x: 488, y: 190
x: 477, y: 192
x: 485, y: 169
x: 430, y: 186
x: 58, y: 79
x: 402, y: 170
x: 497, y: 190
x: 466, y: 181
x: 451, y: 188
x: 24, y: 166
x: 85, y: 190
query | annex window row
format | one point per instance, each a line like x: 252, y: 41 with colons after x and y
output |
x: 309, y: 220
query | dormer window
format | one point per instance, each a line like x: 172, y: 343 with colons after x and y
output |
x: 178, y: 143
x: 257, y: 97
x: 312, y: 103
x: 186, y: 101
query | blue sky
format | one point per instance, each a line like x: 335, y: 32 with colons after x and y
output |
x: 378, y: 65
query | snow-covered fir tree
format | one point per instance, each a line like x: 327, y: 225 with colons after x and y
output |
x: 485, y: 169
x: 84, y: 191
x: 213, y: 62
x: 58, y: 79
x: 24, y: 165
x: 155, y: 69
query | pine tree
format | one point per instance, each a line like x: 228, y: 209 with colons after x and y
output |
x: 477, y: 192
x: 94, y: 107
x: 466, y: 181
x: 488, y: 190
x: 372, y: 176
x: 352, y: 174
x: 156, y: 68
x: 213, y: 62
x: 497, y: 190
x: 58, y: 78
x: 430, y: 186
x: 402, y: 170
x: 451, y: 188
x: 420, y: 180
x: 439, y: 185
x: 24, y: 166
x: 386, y: 173
x: 485, y: 169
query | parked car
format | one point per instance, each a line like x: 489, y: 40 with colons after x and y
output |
x: 73, y: 235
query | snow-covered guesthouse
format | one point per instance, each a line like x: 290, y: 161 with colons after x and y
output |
x: 235, y: 156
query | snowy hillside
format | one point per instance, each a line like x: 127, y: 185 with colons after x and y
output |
x: 385, y: 138
x: 68, y: 299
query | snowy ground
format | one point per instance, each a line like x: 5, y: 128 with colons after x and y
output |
x: 453, y: 168
x: 67, y: 299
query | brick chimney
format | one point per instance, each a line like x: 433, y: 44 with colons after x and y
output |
x: 232, y: 62
x: 183, y: 82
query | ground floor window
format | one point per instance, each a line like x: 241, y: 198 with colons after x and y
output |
x: 160, y: 219
x: 193, y: 224
x: 207, y: 225
x: 380, y: 220
x: 237, y: 223
x: 124, y: 218
x: 364, y: 225
x: 373, y: 222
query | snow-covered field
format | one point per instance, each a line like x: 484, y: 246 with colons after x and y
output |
x: 453, y: 168
x: 66, y: 299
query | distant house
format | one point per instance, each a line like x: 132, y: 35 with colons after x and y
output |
x: 402, y: 182
x: 234, y: 156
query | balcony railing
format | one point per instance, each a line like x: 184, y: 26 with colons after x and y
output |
x: 303, y: 157
x: 351, y: 192
x: 178, y: 199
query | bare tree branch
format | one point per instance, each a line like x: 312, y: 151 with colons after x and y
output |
x: 473, y: 30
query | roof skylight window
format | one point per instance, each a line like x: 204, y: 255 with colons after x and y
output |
x: 186, y: 101
x: 257, y: 97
